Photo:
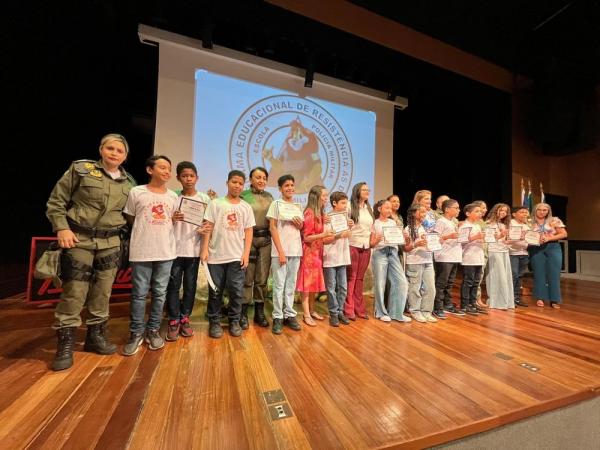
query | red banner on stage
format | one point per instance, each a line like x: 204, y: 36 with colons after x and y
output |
x: 43, y: 291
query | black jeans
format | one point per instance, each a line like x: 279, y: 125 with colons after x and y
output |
x: 518, y: 264
x: 445, y: 273
x: 230, y: 275
x: 471, y: 279
x: 186, y: 270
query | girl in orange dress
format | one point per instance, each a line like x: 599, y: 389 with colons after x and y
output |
x: 310, y: 275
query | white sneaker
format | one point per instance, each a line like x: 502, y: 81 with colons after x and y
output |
x: 429, y: 317
x: 385, y: 319
x: 406, y: 319
x: 418, y: 316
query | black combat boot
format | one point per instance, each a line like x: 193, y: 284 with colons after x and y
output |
x: 64, y: 349
x: 259, y: 315
x: 96, y: 340
x: 244, y: 317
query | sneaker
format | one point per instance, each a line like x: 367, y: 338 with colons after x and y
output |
x: 521, y: 303
x: 277, y: 326
x: 215, y: 330
x: 481, y: 310
x: 454, y: 310
x: 334, y: 321
x: 440, y: 314
x: 406, y: 319
x: 172, y: 331
x: 133, y: 344
x: 154, y: 340
x: 235, y: 329
x: 343, y: 319
x: 185, y: 328
x: 418, y: 316
x: 385, y: 319
x: 292, y: 323
x: 471, y: 310
x: 429, y: 317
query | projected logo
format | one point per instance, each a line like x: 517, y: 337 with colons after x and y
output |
x: 289, y: 134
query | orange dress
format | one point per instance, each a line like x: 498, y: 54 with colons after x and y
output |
x: 310, y: 274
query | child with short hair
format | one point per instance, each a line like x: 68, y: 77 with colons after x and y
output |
x: 226, y: 249
x: 472, y: 259
x: 336, y: 258
x: 517, y: 251
x: 286, y: 253
x: 151, y: 208
x: 184, y: 270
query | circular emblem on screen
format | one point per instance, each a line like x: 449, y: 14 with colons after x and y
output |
x: 289, y: 134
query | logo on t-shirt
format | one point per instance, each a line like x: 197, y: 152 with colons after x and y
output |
x: 157, y: 214
x: 231, y: 220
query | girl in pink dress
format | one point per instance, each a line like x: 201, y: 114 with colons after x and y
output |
x: 310, y: 275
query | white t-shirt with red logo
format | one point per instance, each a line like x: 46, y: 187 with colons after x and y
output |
x: 188, y: 240
x: 152, y: 237
x: 230, y: 220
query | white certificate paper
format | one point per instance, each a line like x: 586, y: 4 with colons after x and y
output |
x: 490, y: 235
x: 192, y: 210
x: 514, y: 233
x: 287, y: 211
x: 339, y: 222
x: 433, y: 242
x: 393, y: 235
x: 463, y: 235
x: 533, y: 237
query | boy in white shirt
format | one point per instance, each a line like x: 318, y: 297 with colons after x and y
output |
x: 472, y: 259
x: 517, y: 251
x: 188, y: 238
x: 152, y: 249
x: 286, y: 252
x: 226, y: 249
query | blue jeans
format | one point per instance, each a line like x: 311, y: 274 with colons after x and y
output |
x: 546, y: 262
x: 518, y: 264
x: 386, y: 267
x: 337, y: 288
x: 421, y: 287
x: 154, y: 276
x: 284, y: 286
x: 230, y: 275
x: 183, y: 269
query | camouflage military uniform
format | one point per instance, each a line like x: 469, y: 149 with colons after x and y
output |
x: 89, y: 202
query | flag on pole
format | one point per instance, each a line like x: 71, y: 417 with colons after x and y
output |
x: 522, y: 192
x: 542, y: 196
x: 527, y: 202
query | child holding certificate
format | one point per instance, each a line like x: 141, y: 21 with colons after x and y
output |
x: 336, y: 257
x: 286, y: 253
x: 498, y: 279
x: 472, y: 258
x: 226, y: 249
x: 419, y: 267
x: 188, y: 238
x: 310, y: 275
x: 517, y: 249
x: 386, y: 267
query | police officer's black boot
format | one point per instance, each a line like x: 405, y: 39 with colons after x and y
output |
x: 244, y: 317
x: 259, y: 315
x: 64, y: 349
x: 96, y: 340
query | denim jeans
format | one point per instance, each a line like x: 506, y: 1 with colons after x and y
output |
x: 284, y: 286
x: 421, y: 287
x: 546, y: 262
x: 183, y: 269
x: 337, y: 288
x: 386, y: 267
x: 230, y: 275
x: 471, y: 279
x: 518, y: 264
x: 445, y: 274
x: 154, y: 276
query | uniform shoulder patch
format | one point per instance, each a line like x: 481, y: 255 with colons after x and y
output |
x: 84, y: 166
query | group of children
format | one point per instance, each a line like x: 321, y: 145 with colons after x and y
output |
x: 307, y: 256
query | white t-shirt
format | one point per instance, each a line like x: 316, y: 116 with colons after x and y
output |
x: 230, y: 222
x: 337, y: 253
x: 518, y: 248
x: 377, y: 228
x: 473, y: 250
x: 152, y: 237
x: 499, y: 246
x: 188, y: 241
x: 289, y: 235
x: 361, y: 232
x: 451, y: 251
x: 418, y: 255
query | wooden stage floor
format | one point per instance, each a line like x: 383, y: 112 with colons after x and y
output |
x: 367, y: 385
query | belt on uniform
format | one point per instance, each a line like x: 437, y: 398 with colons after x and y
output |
x: 94, y: 232
x: 261, y: 232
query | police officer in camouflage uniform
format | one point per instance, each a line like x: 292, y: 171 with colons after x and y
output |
x: 85, y: 209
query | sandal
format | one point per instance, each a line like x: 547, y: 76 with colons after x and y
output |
x: 555, y: 305
x: 309, y: 321
x: 540, y: 303
x: 316, y: 315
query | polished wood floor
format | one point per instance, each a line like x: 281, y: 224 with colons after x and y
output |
x: 367, y: 385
